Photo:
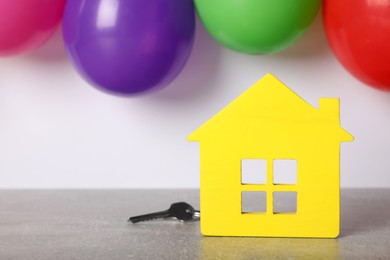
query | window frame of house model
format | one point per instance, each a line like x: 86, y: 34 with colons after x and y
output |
x: 270, y: 122
x: 284, y: 191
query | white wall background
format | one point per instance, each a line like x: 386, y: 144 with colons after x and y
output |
x: 58, y: 132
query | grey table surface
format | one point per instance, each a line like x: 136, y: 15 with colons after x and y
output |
x: 92, y: 224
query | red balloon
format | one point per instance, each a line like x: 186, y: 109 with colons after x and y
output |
x: 359, y: 33
x: 27, y: 24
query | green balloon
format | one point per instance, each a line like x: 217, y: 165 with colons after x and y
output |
x: 257, y: 26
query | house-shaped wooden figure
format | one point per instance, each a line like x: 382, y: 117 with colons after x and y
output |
x: 269, y: 126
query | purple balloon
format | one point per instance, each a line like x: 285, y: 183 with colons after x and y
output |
x: 126, y: 47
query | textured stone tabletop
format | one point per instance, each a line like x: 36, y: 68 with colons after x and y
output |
x: 92, y: 224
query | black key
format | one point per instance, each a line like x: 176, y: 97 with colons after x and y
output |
x: 180, y: 210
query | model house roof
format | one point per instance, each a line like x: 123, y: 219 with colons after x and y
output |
x: 270, y: 108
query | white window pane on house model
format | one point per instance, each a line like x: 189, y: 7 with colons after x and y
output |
x: 253, y: 171
x: 285, y: 202
x: 285, y: 171
x: 253, y: 201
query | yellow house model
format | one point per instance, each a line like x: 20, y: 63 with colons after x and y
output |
x: 271, y: 126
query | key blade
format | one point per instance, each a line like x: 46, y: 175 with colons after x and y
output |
x: 157, y: 215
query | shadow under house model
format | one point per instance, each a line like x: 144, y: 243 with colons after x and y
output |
x: 270, y: 123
